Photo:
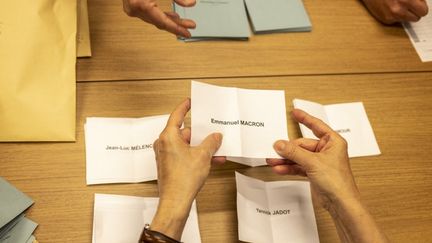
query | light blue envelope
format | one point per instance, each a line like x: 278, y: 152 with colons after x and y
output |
x: 216, y: 19
x: 269, y: 16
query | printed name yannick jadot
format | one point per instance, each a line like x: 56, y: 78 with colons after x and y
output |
x: 275, y: 212
x: 238, y: 122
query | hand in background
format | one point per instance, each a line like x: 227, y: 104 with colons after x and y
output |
x: 182, y: 171
x: 325, y: 162
x: 392, y: 11
x: 149, y: 11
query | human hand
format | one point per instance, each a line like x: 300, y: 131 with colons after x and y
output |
x: 149, y: 11
x: 182, y: 171
x: 325, y: 161
x: 392, y: 11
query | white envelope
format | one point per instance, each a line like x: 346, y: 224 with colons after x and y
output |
x: 349, y: 120
x: 120, y: 150
x: 278, y: 211
x: 250, y: 120
x: 121, y: 219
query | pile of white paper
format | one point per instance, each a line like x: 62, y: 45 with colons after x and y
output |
x: 121, y: 219
x: 420, y: 34
x: 14, y: 226
x: 121, y: 149
x: 279, y: 211
x: 349, y: 120
x: 250, y: 120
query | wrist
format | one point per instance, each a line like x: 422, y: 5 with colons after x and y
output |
x: 171, y: 217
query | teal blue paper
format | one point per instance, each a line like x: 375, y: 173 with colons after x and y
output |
x: 278, y: 16
x: 217, y: 19
x: 12, y: 202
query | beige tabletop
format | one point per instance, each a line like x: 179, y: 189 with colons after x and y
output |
x: 347, y: 57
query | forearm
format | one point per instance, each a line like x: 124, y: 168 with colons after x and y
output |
x: 354, y: 223
x: 170, y: 218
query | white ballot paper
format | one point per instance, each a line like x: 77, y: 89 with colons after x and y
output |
x: 278, y: 211
x: 120, y: 150
x: 250, y: 120
x: 420, y: 34
x: 349, y: 120
x: 121, y: 219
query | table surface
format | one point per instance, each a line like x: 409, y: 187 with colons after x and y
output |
x: 344, y: 39
x: 354, y: 59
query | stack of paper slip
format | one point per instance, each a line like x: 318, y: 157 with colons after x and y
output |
x: 216, y: 19
x: 269, y: 16
x: 121, y: 219
x: 228, y: 18
x: 14, y: 226
x: 349, y: 120
x: 420, y: 34
x: 120, y: 150
x: 278, y: 211
x: 250, y: 120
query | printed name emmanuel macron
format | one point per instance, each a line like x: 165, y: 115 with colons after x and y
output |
x: 238, y: 122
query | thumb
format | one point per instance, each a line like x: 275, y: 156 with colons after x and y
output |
x: 295, y: 153
x: 212, y: 143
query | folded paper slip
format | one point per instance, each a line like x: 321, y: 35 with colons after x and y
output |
x: 121, y: 219
x: 349, y: 120
x: 250, y: 120
x: 37, y: 70
x: 269, y: 16
x: 216, y: 19
x: 278, y: 211
x: 120, y: 150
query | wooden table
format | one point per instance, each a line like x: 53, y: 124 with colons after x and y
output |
x: 346, y: 58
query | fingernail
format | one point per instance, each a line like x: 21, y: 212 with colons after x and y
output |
x: 279, y: 145
x: 218, y: 137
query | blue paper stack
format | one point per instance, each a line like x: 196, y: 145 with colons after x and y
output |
x: 14, y: 226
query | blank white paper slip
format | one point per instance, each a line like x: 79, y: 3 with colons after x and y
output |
x: 121, y: 219
x: 349, y: 120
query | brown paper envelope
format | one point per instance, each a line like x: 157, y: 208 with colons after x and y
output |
x: 83, y: 35
x: 37, y: 70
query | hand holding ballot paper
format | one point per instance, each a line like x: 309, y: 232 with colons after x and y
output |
x: 148, y: 11
x: 326, y: 164
x: 183, y: 169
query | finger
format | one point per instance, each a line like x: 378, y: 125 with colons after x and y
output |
x: 288, y: 170
x: 407, y: 15
x: 186, y: 23
x: 186, y: 134
x: 177, y: 116
x: 322, y: 143
x: 218, y: 160
x: 318, y: 127
x: 307, y: 143
x: 295, y: 153
x: 274, y: 162
x: 212, y: 143
x: 185, y: 3
x: 417, y: 7
x: 155, y: 148
x: 162, y: 21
